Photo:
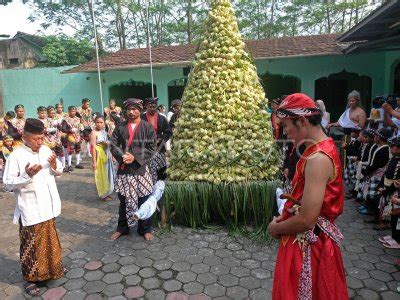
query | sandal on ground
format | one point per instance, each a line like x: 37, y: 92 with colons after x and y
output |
x: 381, y: 226
x: 391, y: 244
x: 31, y: 289
x: 385, y: 238
x: 108, y: 198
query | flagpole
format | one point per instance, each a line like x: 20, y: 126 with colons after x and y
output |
x: 150, y: 54
x: 97, y: 55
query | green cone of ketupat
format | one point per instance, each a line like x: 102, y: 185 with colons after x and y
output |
x: 224, y: 132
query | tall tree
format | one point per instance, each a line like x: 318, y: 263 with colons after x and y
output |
x: 123, y: 23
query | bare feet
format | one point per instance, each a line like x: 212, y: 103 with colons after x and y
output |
x: 116, y: 235
x: 148, y: 236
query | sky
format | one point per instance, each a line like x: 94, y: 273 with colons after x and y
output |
x: 14, y: 17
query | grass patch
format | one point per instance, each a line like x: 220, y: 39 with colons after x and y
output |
x: 243, y: 208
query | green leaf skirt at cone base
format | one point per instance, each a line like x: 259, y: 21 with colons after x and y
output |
x: 237, y: 206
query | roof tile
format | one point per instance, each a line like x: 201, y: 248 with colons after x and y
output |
x: 184, y: 54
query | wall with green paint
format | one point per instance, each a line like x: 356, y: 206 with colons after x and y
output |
x: 162, y: 76
x: 36, y: 87
x: 379, y: 66
x: 45, y: 86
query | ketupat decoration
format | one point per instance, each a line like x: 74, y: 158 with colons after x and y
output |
x: 224, y: 160
x: 224, y: 132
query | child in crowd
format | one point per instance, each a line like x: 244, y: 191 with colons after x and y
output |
x: 366, y: 138
x: 377, y: 113
x: 6, y: 147
x: 353, y: 150
x: 374, y: 171
x: 386, y: 187
x: 393, y: 241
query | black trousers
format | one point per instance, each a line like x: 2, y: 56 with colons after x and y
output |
x: 395, y: 232
x: 144, y: 226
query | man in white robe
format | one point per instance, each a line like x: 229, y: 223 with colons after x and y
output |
x: 30, y: 173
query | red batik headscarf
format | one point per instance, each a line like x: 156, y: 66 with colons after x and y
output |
x: 297, y: 105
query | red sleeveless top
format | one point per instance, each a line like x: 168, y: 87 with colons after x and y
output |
x: 333, y: 203
x: 328, y: 275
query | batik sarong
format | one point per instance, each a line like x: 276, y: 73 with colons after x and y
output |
x: 350, y: 174
x: 40, y: 252
x: 133, y: 187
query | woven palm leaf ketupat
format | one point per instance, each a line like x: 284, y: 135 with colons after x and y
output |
x: 224, y: 159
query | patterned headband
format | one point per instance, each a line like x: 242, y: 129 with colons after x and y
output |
x: 292, y: 113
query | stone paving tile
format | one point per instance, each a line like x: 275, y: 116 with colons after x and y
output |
x: 207, y: 278
x: 155, y: 295
x: 186, y: 276
x: 112, y: 267
x: 193, y: 288
x: 228, y: 280
x: 182, y: 264
x: 215, y: 290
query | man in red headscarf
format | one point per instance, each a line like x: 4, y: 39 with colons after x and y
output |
x: 309, y: 263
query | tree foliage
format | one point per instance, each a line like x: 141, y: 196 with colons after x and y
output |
x: 123, y: 24
x: 62, y: 50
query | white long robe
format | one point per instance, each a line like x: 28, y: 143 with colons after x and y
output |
x: 37, y: 197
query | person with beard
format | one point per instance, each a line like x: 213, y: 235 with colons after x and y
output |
x: 133, y: 145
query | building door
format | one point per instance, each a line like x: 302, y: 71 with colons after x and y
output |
x: 276, y: 85
x: 131, y: 89
x: 176, y: 89
x: 333, y: 90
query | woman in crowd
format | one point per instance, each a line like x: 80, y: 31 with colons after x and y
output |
x: 102, y: 159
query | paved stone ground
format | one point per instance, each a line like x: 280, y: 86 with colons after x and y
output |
x: 184, y: 264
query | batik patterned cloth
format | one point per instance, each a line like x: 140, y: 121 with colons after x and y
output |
x: 157, y: 163
x: 40, y: 252
x: 19, y: 124
x: 133, y: 187
x: 350, y: 173
x: 86, y: 116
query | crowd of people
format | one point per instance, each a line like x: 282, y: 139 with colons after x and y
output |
x: 370, y: 154
x: 77, y: 132
x: 129, y: 156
